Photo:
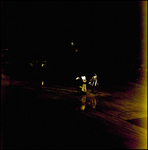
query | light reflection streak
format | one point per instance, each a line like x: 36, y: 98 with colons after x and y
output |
x: 143, y: 31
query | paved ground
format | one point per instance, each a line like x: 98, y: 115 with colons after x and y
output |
x: 58, y: 117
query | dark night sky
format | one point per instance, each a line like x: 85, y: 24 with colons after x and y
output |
x: 105, y: 33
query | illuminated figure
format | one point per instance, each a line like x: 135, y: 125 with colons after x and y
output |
x: 93, y: 82
x: 81, y: 84
x: 84, y: 83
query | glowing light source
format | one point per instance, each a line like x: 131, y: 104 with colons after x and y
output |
x: 83, y: 77
x: 42, y: 82
x: 72, y: 43
x: 42, y: 65
x: 82, y: 107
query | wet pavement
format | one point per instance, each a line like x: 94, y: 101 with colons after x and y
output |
x: 35, y: 117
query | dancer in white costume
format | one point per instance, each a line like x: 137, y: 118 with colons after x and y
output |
x: 93, y: 82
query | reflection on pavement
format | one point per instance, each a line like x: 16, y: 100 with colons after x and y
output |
x: 83, y: 102
x: 91, y: 102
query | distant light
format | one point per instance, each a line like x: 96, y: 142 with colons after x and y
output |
x: 6, y: 49
x: 72, y: 43
x: 42, y: 82
x: 42, y: 65
x: 76, y: 50
x: 31, y: 64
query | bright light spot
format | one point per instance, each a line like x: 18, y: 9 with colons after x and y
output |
x: 77, y: 78
x: 95, y: 76
x: 82, y: 107
x: 72, y: 43
x: 42, y: 65
x: 42, y: 82
x: 83, y: 77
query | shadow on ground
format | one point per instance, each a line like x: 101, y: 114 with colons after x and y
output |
x: 142, y: 122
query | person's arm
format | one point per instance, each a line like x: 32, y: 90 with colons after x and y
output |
x: 77, y: 78
x: 90, y: 81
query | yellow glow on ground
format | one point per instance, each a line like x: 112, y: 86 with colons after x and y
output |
x: 143, y: 8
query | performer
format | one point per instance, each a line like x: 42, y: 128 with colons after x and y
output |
x: 93, y: 82
x: 81, y: 84
x: 84, y: 89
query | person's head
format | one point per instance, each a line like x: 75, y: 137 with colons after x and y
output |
x: 83, y: 77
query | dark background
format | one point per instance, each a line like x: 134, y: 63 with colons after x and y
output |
x: 106, y: 34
